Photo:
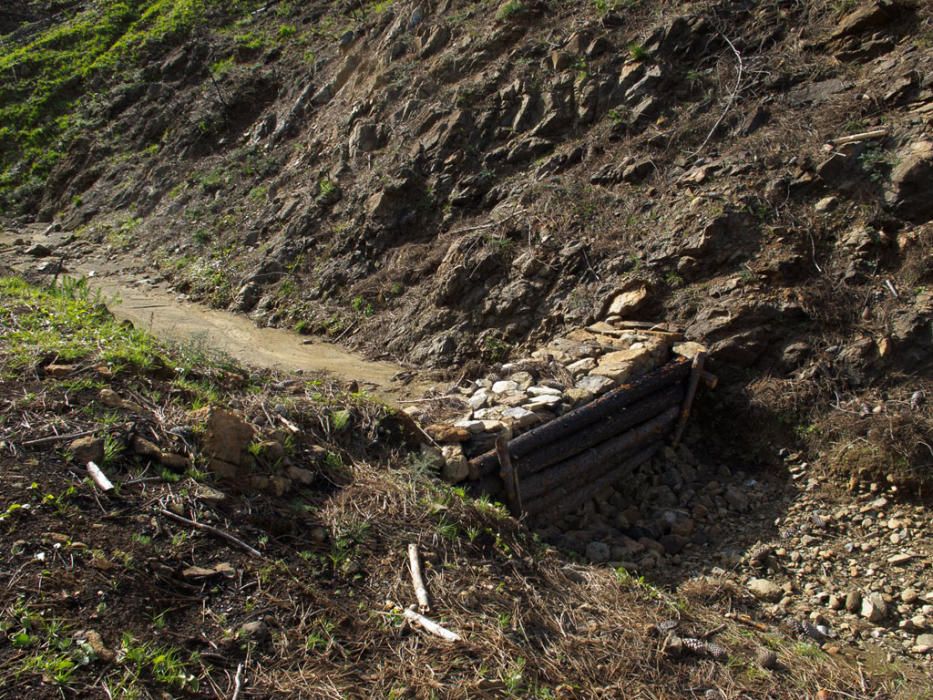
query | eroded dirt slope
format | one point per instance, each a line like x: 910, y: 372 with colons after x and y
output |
x: 444, y: 182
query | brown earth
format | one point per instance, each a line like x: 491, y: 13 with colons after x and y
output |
x: 446, y: 185
x: 451, y: 183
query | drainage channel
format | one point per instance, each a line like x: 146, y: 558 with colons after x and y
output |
x: 553, y: 469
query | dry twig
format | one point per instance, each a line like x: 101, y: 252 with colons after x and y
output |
x: 236, y: 682
x: 213, y: 530
x: 57, y: 438
x: 431, y: 626
x: 731, y: 100
x: 421, y: 593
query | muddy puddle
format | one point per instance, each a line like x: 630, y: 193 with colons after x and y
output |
x: 163, y: 314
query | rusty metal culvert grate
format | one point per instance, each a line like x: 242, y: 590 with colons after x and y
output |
x: 556, y: 467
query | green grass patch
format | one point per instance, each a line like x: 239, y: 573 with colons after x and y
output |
x: 44, y: 80
x: 69, y: 323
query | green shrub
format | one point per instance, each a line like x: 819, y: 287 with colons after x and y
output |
x: 508, y: 9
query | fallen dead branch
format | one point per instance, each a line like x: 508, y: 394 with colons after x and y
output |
x: 211, y: 529
x: 856, y: 138
x: 99, y: 478
x: 431, y: 626
x: 731, y: 100
x: 421, y: 593
x: 57, y: 438
x: 237, y: 681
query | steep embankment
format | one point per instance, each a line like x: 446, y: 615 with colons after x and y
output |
x: 447, y: 182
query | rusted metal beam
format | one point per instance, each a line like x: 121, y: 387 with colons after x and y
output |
x: 604, y: 429
x: 597, y: 460
x: 696, y: 373
x: 566, y: 425
x: 509, y: 476
x: 571, y: 496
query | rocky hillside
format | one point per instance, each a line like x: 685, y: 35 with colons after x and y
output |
x: 448, y: 182
x: 454, y: 185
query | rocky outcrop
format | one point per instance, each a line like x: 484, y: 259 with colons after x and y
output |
x: 909, y: 193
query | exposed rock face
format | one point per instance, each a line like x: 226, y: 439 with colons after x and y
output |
x: 909, y: 192
x: 366, y: 137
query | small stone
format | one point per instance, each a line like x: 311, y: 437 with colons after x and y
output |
x: 479, y: 399
x: 924, y: 644
x: 910, y: 596
x: 207, y: 494
x: 577, y: 396
x: 689, y: 349
x: 736, y: 499
x: 520, y: 417
x: 253, y: 631
x: 523, y: 379
x: 767, y: 659
x: 456, y: 468
x: 766, y: 590
x: 900, y: 559
x: 825, y: 204
x: 543, y: 391
x: 110, y: 398
x: 587, y: 364
x: 497, y: 427
x: 629, y: 301
x: 503, y: 386
x: 545, y: 401
x: 598, y: 552
x: 595, y: 383
x: 874, y: 608
x: 87, y: 449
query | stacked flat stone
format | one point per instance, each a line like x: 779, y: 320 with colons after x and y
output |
x: 569, y: 371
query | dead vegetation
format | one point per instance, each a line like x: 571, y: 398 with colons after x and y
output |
x: 180, y: 583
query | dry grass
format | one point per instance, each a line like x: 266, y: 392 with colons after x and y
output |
x: 534, y: 624
x: 331, y: 577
